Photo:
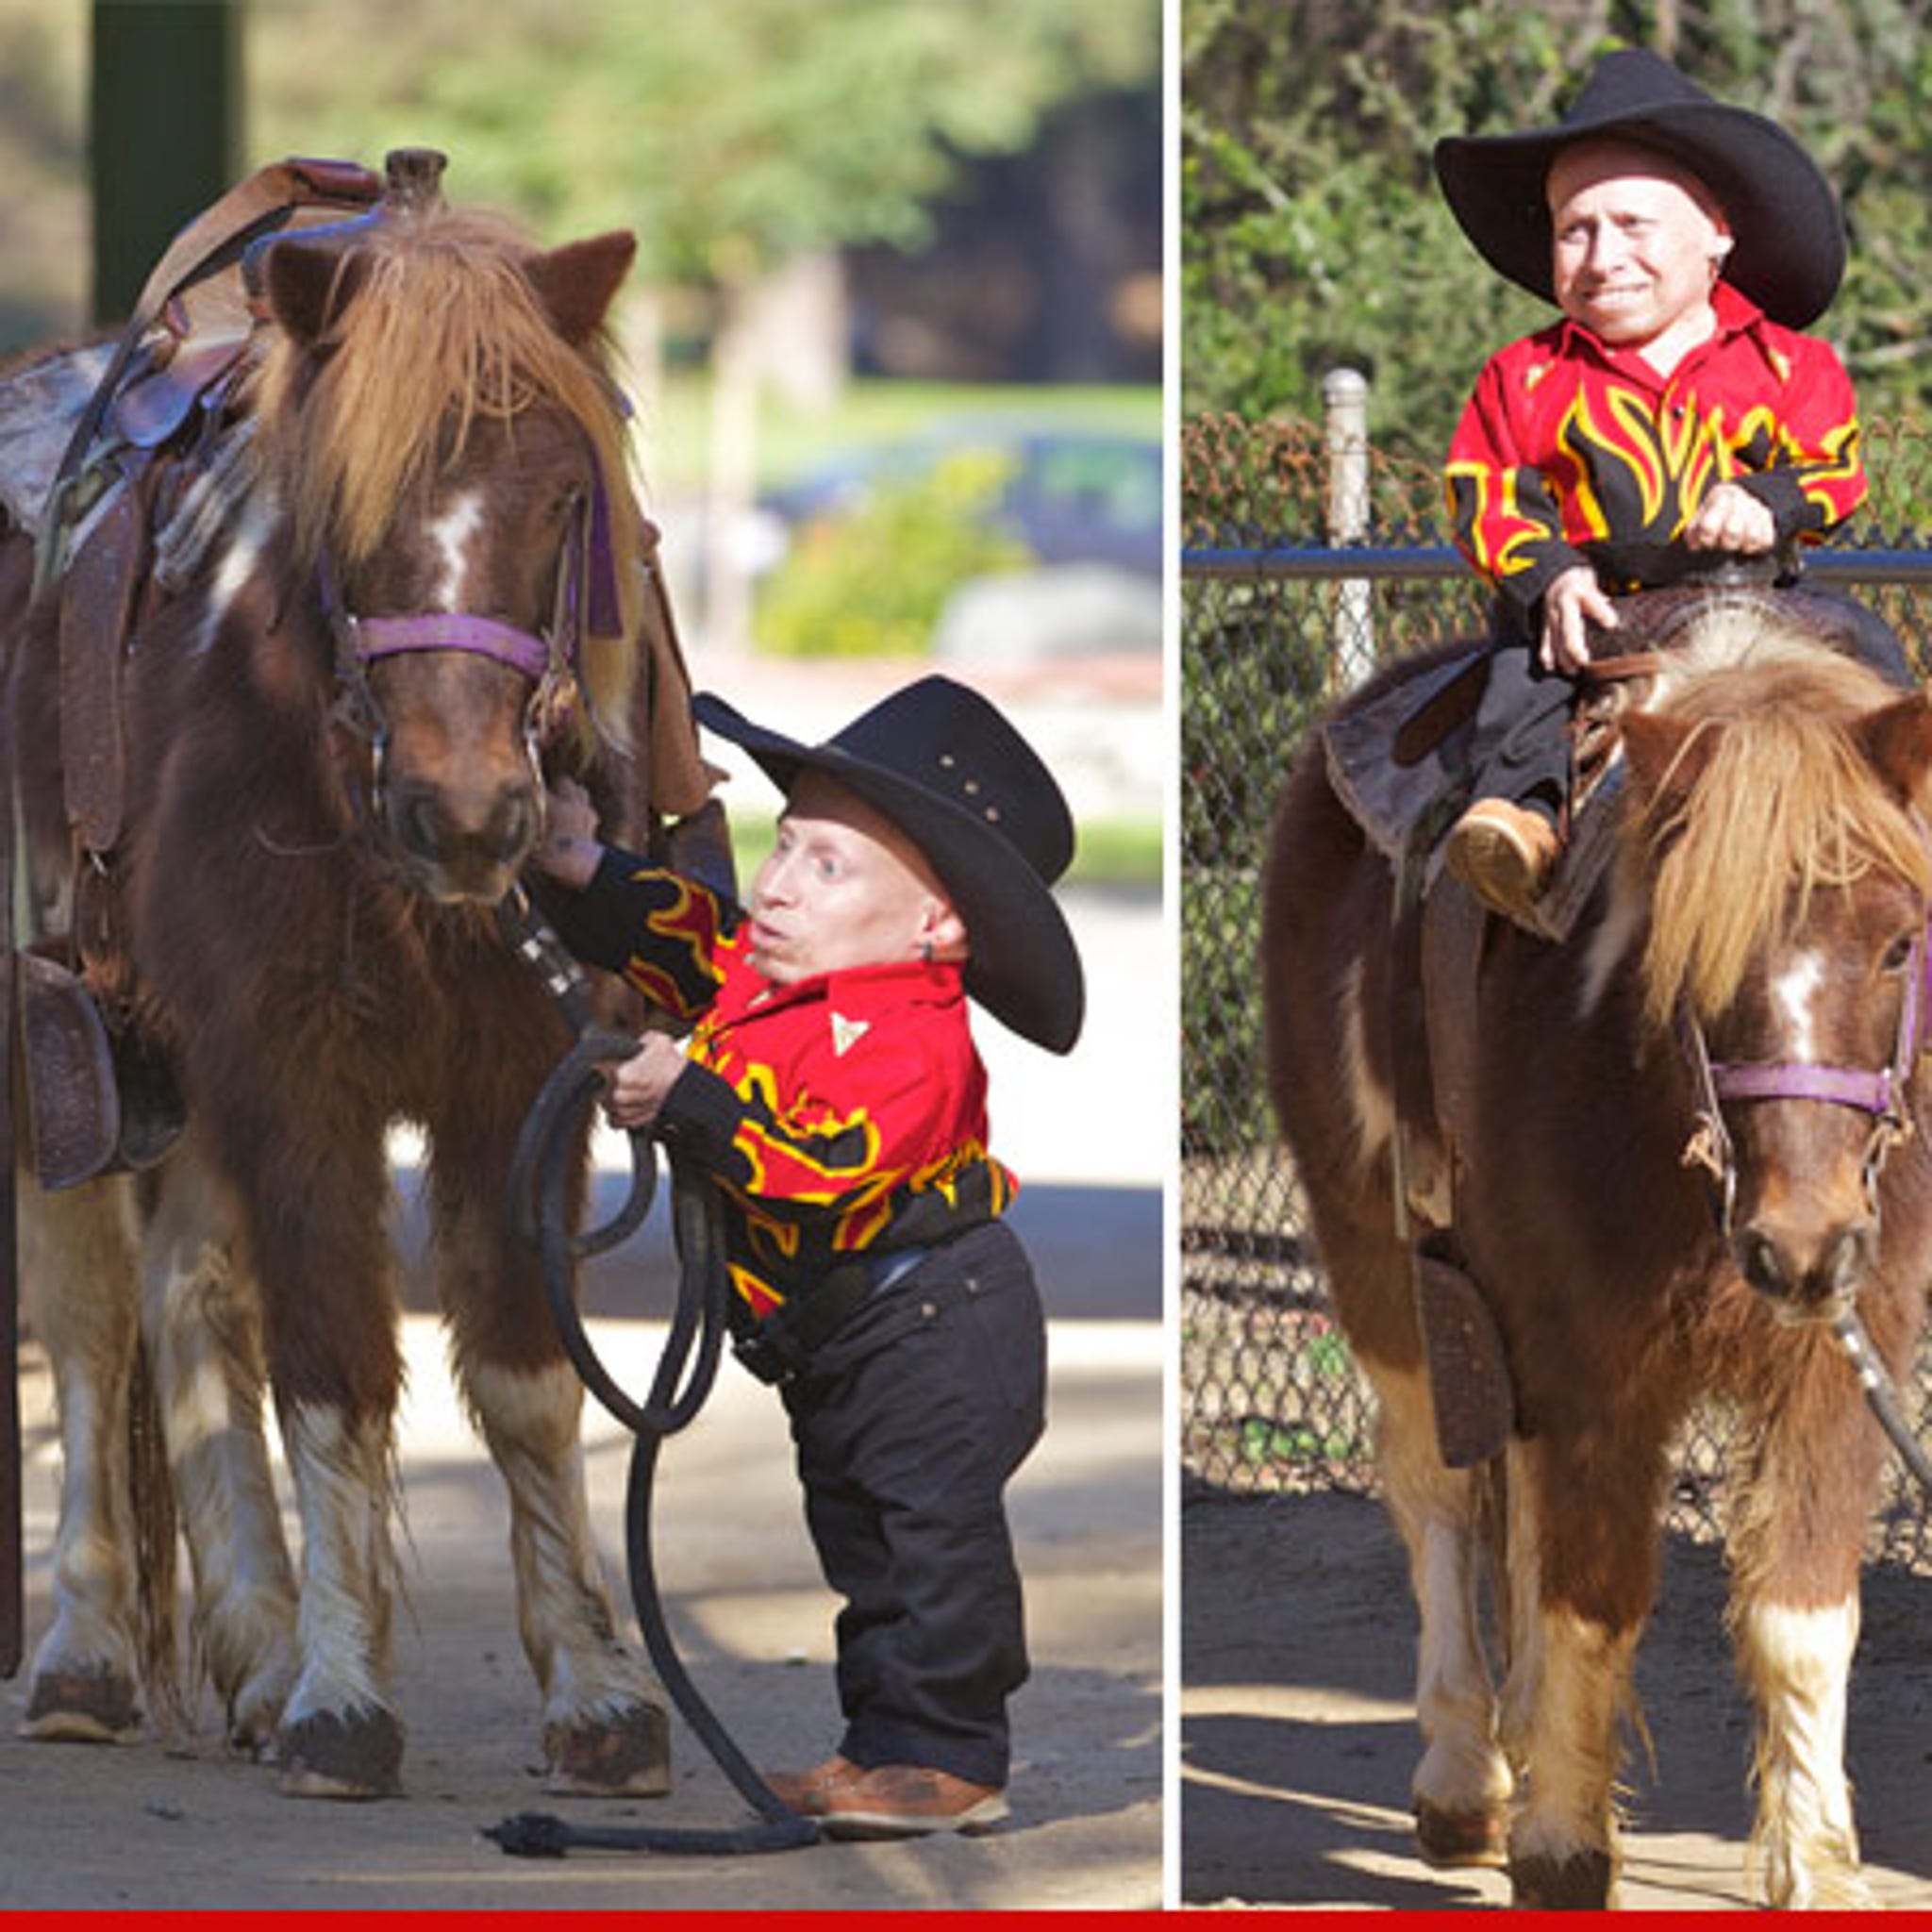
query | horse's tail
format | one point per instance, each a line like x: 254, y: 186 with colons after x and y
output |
x: 151, y: 1504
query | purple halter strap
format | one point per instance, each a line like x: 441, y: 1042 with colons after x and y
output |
x: 586, y: 595
x: 1881, y: 1093
x: 453, y: 630
x: 1879, y: 1090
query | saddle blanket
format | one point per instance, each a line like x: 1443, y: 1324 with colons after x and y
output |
x: 39, y: 405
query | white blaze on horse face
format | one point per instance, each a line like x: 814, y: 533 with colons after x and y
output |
x: 453, y: 533
x: 1791, y: 994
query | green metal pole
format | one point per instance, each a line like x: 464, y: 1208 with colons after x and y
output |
x: 165, y: 131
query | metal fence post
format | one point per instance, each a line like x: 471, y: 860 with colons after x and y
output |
x: 1345, y: 417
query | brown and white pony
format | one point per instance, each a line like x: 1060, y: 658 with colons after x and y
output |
x: 435, y: 575
x: 1765, y: 915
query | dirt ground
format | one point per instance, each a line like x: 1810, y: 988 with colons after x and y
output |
x: 1297, y: 1738
x: 182, y: 1825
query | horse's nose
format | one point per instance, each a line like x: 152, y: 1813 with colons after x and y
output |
x: 456, y: 835
x: 1806, y: 1268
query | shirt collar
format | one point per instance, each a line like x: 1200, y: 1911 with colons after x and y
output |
x: 864, y: 990
x: 1737, y: 314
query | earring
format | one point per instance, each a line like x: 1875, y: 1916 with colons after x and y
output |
x: 925, y: 951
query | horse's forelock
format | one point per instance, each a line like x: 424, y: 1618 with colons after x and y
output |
x: 1780, y: 800
x: 443, y: 328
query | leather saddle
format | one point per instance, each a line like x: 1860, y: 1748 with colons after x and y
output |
x: 143, y: 435
x: 1418, y: 731
x: 154, y: 460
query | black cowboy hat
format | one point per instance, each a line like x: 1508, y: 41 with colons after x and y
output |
x: 1789, y: 252
x: 945, y: 767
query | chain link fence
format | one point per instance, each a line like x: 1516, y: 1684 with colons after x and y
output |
x: 1307, y: 558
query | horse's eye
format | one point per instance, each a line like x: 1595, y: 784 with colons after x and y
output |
x: 1898, y: 954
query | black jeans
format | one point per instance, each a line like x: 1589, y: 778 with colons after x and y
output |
x: 908, y: 1424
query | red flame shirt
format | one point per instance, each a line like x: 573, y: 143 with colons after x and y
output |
x: 842, y: 1113
x: 1572, y: 451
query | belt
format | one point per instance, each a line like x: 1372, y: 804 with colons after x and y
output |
x: 783, y: 1342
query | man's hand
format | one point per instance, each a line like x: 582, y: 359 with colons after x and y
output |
x: 638, y: 1086
x: 1573, y: 601
x: 1731, y: 519
x: 569, y: 849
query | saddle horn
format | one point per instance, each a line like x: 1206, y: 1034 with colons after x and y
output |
x: 412, y: 185
x: 412, y: 180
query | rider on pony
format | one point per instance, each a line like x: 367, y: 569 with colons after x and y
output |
x: 1675, y: 415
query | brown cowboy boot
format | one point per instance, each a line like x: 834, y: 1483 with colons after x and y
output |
x: 807, y: 1792
x: 909, y: 1801
x: 1505, y: 854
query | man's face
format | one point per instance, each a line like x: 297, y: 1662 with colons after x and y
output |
x: 844, y: 886
x: 1637, y: 243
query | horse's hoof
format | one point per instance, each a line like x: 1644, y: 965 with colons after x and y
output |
x: 82, y: 1707
x: 251, y: 1734
x: 329, y: 1755
x: 1580, y: 1883
x: 627, y: 1754
x: 255, y: 1711
x: 1451, y: 1841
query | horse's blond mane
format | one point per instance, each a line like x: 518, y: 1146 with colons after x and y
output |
x: 1783, y: 803
x: 443, y: 328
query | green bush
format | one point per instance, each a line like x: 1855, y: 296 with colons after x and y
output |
x: 872, y: 582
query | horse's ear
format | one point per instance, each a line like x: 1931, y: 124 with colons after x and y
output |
x: 309, y: 284
x: 1898, y: 741
x: 577, y: 282
x: 1663, y: 753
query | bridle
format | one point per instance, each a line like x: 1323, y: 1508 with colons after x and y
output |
x: 1883, y: 1092
x: 585, y: 600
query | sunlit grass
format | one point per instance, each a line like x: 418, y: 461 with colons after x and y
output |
x: 674, y: 434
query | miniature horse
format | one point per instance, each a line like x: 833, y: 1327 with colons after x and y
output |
x: 1764, y: 914
x: 332, y: 734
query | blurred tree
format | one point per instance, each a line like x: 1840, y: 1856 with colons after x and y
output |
x: 1312, y: 232
x: 44, y: 261
x: 733, y: 137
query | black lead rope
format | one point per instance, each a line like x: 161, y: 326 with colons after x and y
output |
x: 1880, y: 1394
x: 540, y: 1176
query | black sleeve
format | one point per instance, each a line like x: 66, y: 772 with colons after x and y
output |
x: 656, y: 927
